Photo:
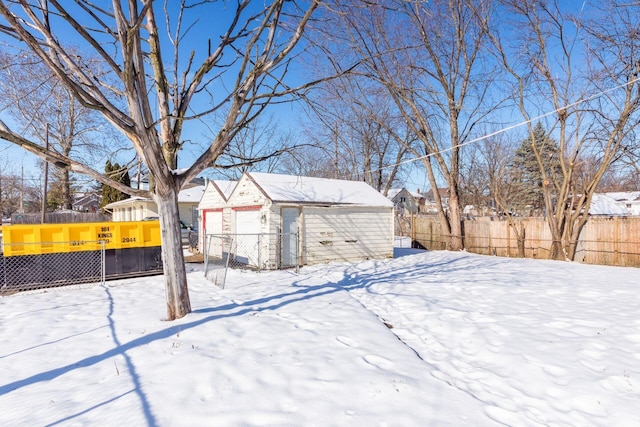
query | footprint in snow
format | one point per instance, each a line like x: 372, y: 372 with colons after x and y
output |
x: 378, y: 362
x: 346, y: 341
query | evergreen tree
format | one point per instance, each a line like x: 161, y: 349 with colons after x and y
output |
x: 117, y: 173
x: 527, y: 171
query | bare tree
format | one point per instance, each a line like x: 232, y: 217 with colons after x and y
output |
x: 356, y: 127
x: 260, y: 144
x: 37, y: 100
x: 170, y: 64
x: 591, y: 111
x: 430, y: 57
x: 10, y: 189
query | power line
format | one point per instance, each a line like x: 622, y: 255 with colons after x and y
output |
x: 515, y: 126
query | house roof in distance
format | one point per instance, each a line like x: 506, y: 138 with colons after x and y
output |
x: 191, y: 194
x: 291, y: 188
x: 186, y: 195
x: 609, y: 204
x: 393, y: 192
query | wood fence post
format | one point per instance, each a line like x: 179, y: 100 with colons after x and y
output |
x: 616, y: 240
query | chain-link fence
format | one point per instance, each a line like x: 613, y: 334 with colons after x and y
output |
x: 266, y: 251
x: 30, y: 266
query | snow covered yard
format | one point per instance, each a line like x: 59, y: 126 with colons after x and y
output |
x: 435, y: 338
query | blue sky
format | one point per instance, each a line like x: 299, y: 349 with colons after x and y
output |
x: 287, y: 116
x: 213, y: 20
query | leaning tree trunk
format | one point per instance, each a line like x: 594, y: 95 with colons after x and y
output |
x: 520, y: 231
x: 574, y: 234
x: 175, y: 275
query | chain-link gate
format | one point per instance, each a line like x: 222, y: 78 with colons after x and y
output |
x: 30, y: 266
x: 265, y: 251
x: 216, y: 263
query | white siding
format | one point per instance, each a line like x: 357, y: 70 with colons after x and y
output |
x: 347, y: 233
x: 338, y: 233
x: 247, y: 194
x: 211, y: 198
x: 135, y: 211
x: 187, y: 212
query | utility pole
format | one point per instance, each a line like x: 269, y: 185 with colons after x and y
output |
x: 43, y: 213
x: 335, y: 151
x: 21, y: 209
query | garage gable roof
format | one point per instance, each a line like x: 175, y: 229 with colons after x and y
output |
x: 225, y: 188
x: 304, y: 189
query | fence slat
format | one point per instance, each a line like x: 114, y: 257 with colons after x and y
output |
x: 603, y: 241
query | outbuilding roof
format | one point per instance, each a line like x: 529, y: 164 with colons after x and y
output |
x: 187, y: 195
x: 303, y: 189
x: 226, y: 187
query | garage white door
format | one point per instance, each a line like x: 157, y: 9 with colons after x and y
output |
x: 247, y: 237
x: 213, y: 232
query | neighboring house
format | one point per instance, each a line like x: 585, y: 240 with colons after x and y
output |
x: 143, y: 181
x: 87, y: 202
x: 444, y: 195
x: 616, y: 204
x: 406, y: 202
x: 335, y: 220
x: 139, y: 208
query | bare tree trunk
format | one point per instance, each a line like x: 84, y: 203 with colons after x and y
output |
x: 555, y: 250
x: 456, y: 241
x: 521, y: 236
x: 175, y: 276
x: 67, y: 197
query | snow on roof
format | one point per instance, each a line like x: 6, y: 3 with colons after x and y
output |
x: 192, y: 194
x: 624, y: 196
x: 125, y: 201
x: 187, y: 195
x: 225, y: 186
x: 603, y: 204
x: 290, y: 188
x: 395, y: 191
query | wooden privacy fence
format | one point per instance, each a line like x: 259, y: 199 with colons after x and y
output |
x: 60, y: 217
x: 604, y: 241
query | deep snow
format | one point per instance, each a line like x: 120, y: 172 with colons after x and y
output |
x: 435, y: 338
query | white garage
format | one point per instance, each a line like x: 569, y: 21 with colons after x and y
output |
x: 284, y: 220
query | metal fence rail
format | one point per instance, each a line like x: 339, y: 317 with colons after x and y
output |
x: 31, y: 267
x: 265, y: 251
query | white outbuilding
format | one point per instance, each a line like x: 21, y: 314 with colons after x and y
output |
x: 283, y: 220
